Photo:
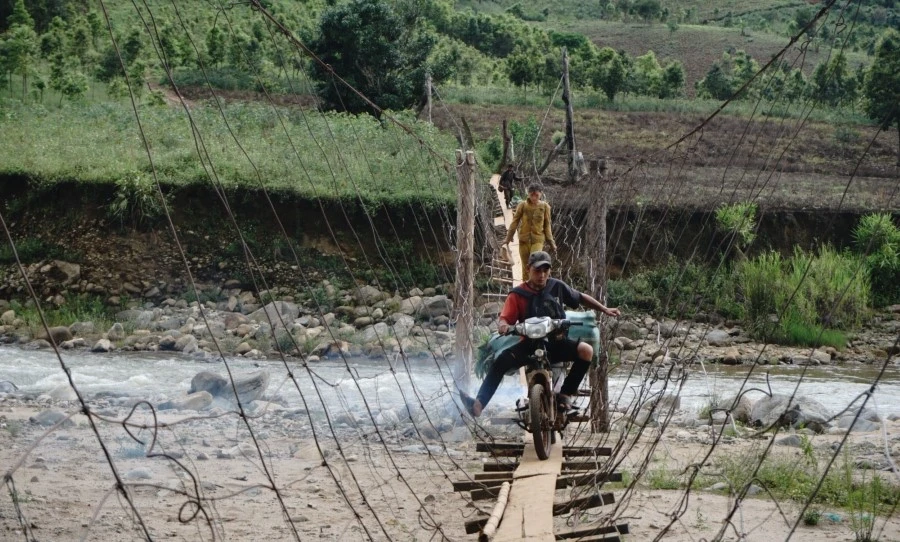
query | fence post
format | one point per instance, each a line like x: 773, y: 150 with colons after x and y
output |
x: 465, y: 280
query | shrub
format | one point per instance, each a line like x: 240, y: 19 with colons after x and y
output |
x: 137, y: 200
x: 678, y: 290
x: 33, y: 249
x: 805, y: 299
x: 878, y: 240
x: 739, y: 220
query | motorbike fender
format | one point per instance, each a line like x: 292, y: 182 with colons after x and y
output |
x: 540, y: 377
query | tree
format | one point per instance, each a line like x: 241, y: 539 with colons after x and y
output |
x: 882, y: 83
x: 81, y: 44
x: 20, y: 48
x: 832, y: 82
x: 672, y: 80
x: 645, y: 76
x: 609, y: 72
x: 110, y: 67
x: 20, y: 16
x: 716, y: 84
x: 727, y: 76
x: 55, y: 39
x: 647, y: 10
x: 522, y: 67
x: 215, y: 46
x: 365, y: 43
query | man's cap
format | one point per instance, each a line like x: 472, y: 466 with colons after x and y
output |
x: 539, y: 258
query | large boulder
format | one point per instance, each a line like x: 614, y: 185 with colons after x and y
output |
x: 276, y: 312
x: 249, y: 387
x: 233, y: 320
x: 58, y: 334
x: 718, y: 337
x: 368, y: 295
x: 62, y: 272
x: 200, y: 400
x: 780, y: 411
x: 411, y: 305
x: 629, y: 330
x: 439, y: 305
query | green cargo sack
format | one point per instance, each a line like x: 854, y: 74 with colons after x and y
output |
x: 488, y: 352
x: 496, y: 344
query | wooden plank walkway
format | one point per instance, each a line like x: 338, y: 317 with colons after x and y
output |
x: 529, y: 512
x: 505, y: 219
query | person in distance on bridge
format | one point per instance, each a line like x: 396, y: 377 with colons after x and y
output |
x: 540, y: 295
x: 532, y: 221
x: 506, y: 184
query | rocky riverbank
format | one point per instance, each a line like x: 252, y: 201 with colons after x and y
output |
x: 366, y: 321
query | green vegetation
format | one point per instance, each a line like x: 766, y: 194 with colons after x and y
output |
x: 797, y: 300
x: 78, y: 308
x: 864, y: 496
x: 33, y: 249
x: 877, y: 239
x: 807, y: 299
x: 662, y: 478
x: 738, y: 220
x: 677, y: 290
x: 329, y: 156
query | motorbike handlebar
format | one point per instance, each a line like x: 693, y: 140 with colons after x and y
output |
x: 565, y: 324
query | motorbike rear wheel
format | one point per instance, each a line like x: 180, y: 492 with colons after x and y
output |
x: 542, y: 434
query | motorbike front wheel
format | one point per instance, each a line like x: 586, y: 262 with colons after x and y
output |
x: 539, y: 405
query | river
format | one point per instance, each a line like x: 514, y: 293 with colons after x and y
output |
x: 157, y: 377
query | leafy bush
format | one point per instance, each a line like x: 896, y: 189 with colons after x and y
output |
x: 878, y: 240
x: 739, y: 220
x: 33, y: 249
x: 678, y: 290
x: 804, y: 299
x: 137, y: 200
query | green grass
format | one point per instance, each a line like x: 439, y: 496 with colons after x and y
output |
x: 796, y: 478
x: 33, y: 249
x: 79, y: 308
x: 322, y: 156
x: 662, y: 478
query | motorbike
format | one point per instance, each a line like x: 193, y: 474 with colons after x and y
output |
x: 539, y: 413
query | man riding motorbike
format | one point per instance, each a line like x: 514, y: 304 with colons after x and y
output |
x: 540, y: 295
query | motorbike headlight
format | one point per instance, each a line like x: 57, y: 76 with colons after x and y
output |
x: 537, y: 328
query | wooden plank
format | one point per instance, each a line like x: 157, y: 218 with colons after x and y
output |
x: 582, y: 532
x: 587, y: 479
x: 582, y: 503
x: 503, y: 270
x: 507, y: 220
x: 494, y: 447
x: 500, y: 467
x: 529, y: 513
x: 602, y: 538
x: 582, y: 465
x: 560, y: 507
x: 469, y: 485
x: 493, y: 476
x: 579, y: 451
x: 486, y: 493
x: 567, y: 465
x: 475, y: 525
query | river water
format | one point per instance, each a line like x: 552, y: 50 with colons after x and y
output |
x: 158, y: 377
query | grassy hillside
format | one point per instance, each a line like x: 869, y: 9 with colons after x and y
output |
x: 64, y: 114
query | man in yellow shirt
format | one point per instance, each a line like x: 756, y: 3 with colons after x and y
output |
x: 532, y: 218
